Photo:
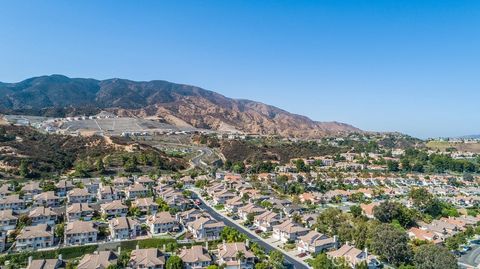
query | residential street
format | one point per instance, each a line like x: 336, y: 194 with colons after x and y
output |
x: 291, y: 261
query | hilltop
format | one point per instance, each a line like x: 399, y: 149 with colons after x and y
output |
x: 177, y: 104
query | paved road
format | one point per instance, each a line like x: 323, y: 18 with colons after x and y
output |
x: 197, y: 160
x: 471, y: 258
x: 290, y: 262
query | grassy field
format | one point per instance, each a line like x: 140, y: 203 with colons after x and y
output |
x: 443, y: 145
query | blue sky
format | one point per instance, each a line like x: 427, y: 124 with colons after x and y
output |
x: 409, y: 66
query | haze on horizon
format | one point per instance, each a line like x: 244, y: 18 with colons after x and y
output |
x: 408, y: 66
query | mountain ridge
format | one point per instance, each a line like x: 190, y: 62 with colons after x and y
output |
x: 171, y: 102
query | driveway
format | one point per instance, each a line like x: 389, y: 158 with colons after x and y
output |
x: 290, y: 259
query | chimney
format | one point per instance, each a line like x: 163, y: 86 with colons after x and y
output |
x: 335, y: 239
x: 60, y: 257
x: 366, y: 253
x: 206, y: 245
x: 247, y: 243
x: 30, y: 258
x: 164, y: 247
x: 119, y: 250
x: 137, y: 247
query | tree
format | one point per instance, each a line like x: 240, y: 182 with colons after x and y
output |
x: 393, y: 166
x: 174, y: 262
x: 321, y: 261
x: 24, y: 220
x: 433, y: 256
x: 388, y: 211
x: 232, y: 235
x: 425, y: 202
x: 130, y: 165
x: 100, y: 166
x: 81, y: 169
x: 301, y: 167
x: 60, y: 230
x: 123, y: 259
x: 23, y: 169
x: 276, y: 259
x: 396, y: 249
x: 261, y: 265
x: 134, y: 211
x: 162, y: 205
x: 48, y: 186
x: 356, y: 211
x: 330, y: 220
x: 240, y: 256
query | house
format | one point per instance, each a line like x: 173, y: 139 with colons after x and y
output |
x: 310, y: 219
x: 189, y: 215
x: 121, y: 182
x: 63, y: 187
x: 122, y: 228
x: 288, y: 231
x: 12, y: 202
x: 146, y: 181
x: 228, y: 256
x: 150, y: 258
x: 219, y: 198
x: 195, y: 257
x: 219, y: 187
x: 178, y: 202
x: 162, y: 222
x: 315, y: 242
x: 354, y: 256
x: 267, y: 220
x: 47, y: 199
x: 92, y: 185
x: 46, y: 263
x: 336, y: 195
x: 367, y: 209
x: 146, y: 205
x: 80, y: 232
x: 98, y: 260
x: 293, y: 209
x: 7, y: 220
x: 441, y: 228
x: 205, y: 228
x: 43, y: 215
x: 34, y: 237
x: 248, y: 210
x: 106, y: 193
x: 79, y: 211
x: 31, y: 189
x: 136, y: 190
x: 4, y: 191
x: 424, y: 235
x: 308, y: 197
x: 114, y: 209
x: 232, y: 205
x: 78, y: 195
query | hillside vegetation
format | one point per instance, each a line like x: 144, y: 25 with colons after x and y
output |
x: 25, y: 152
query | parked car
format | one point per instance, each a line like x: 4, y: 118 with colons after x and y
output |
x: 301, y: 255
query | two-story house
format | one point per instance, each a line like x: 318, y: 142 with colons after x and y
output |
x: 80, y: 232
x: 34, y: 237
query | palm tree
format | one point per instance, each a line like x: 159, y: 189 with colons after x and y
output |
x: 240, y: 256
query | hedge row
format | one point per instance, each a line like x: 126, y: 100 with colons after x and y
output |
x: 21, y: 259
